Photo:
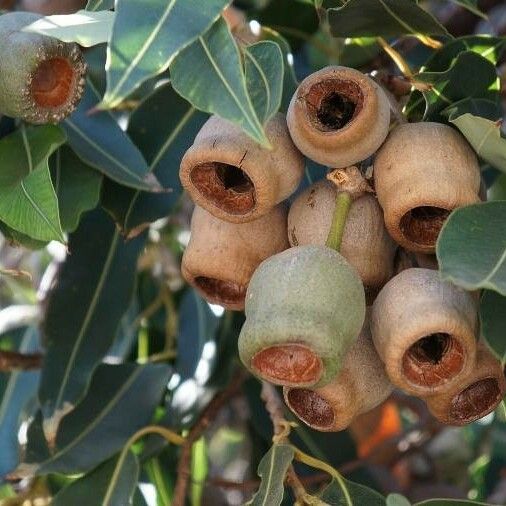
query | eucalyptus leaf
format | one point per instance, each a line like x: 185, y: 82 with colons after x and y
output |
x: 163, y: 144
x: 450, y: 502
x: 397, y: 500
x: 493, y: 322
x: 147, y: 35
x: 334, y: 495
x: 385, y: 18
x: 84, y: 27
x: 471, y: 248
x: 210, y: 75
x: 91, y: 294
x: 471, y: 6
x: 272, y: 471
x: 264, y: 78
x: 100, y: 421
x: 111, y: 484
x: 99, y: 141
x: 99, y: 5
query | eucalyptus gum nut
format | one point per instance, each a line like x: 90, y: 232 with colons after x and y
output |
x: 338, y: 116
x: 49, y: 7
x: 41, y: 78
x: 233, y: 177
x: 425, y: 331
x: 360, y: 386
x: 422, y: 173
x: 475, y: 396
x: 365, y: 244
x: 304, y: 309
x: 221, y: 257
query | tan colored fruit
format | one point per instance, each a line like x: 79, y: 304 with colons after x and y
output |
x: 234, y: 178
x: 425, y: 331
x: 361, y: 385
x: 338, y: 116
x: 221, y: 257
x: 365, y: 244
x: 49, y: 7
x: 422, y: 173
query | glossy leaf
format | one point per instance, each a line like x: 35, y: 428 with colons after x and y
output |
x: 334, y: 495
x: 99, y: 141
x: 76, y: 184
x: 28, y: 201
x: 21, y: 387
x: 109, y: 484
x: 485, y: 137
x: 493, y: 322
x: 163, y: 144
x: 272, y: 471
x: 92, y: 293
x: 99, y: 5
x: 84, y: 27
x: 146, y: 37
x: 209, y: 74
x: 385, y: 18
x: 471, y: 248
x: 264, y: 78
x: 120, y: 400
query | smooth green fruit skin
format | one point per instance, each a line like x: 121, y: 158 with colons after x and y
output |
x: 307, y: 294
x: 20, y: 55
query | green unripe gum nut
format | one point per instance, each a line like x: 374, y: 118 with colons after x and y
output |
x: 41, y: 78
x: 304, y: 309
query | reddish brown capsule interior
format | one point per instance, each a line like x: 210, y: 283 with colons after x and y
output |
x: 433, y: 360
x: 52, y: 83
x: 311, y: 408
x: 333, y: 103
x: 226, y: 292
x: 226, y: 186
x: 422, y: 224
x: 288, y: 364
x: 476, y: 401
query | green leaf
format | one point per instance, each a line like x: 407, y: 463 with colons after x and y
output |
x: 147, y: 36
x: 450, y: 502
x: 99, y: 141
x: 76, y: 184
x: 485, y: 137
x: 469, y: 76
x: 333, y: 495
x: 84, y: 27
x: 264, y: 78
x: 98, y: 5
x: 199, y: 471
x: 471, y: 6
x: 209, y: 74
x: 28, y: 201
x: 397, y: 500
x: 385, y: 18
x: 21, y: 387
x: 120, y: 400
x: 16, y: 238
x: 272, y: 471
x: 498, y: 189
x: 493, y: 322
x: 111, y: 484
x: 92, y: 292
x: 163, y: 144
x: 471, y: 248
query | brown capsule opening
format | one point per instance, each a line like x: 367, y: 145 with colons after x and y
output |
x: 422, y: 224
x: 227, y: 292
x: 52, y: 83
x: 475, y: 401
x: 226, y: 186
x: 433, y: 359
x: 311, y: 408
x: 288, y: 364
x: 333, y: 103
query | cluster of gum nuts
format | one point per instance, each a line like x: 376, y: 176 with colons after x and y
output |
x: 339, y: 329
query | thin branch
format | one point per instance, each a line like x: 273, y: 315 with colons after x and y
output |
x: 12, y: 361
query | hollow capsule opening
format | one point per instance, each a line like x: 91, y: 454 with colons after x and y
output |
x: 433, y: 360
x: 475, y: 401
x: 311, y: 408
x: 333, y: 103
x: 288, y: 364
x: 226, y: 292
x: 226, y: 186
x: 51, y: 84
x: 422, y: 225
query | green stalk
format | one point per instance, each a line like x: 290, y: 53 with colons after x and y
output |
x: 343, y: 204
